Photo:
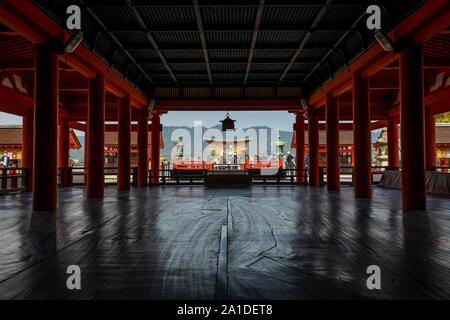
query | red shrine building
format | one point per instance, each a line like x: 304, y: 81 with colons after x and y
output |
x: 112, y: 149
x: 11, y: 142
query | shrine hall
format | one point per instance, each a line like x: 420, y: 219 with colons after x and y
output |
x: 310, y: 225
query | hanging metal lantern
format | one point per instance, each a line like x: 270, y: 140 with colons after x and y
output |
x: 227, y: 123
x: 179, y: 147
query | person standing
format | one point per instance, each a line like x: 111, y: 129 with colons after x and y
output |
x: 5, y: 160
x: 289, y: 163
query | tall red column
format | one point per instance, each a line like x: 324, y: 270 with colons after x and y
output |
x: 86, y: 143
x: 412, y: 128
x: 430, y: 140
x: 124, y: 137
x: 313, y: 142
x: 333, y: 170
x: 96, y: 138
x: 392, y: 132
x: 45, y: 130
x: 361, y: 136
x: 300, y: 143
x: 156, y: 129
x: 27, y: 148
x: 142, y: 175
x: 63, y: 150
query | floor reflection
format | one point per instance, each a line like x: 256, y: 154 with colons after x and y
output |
x: 283, y: 243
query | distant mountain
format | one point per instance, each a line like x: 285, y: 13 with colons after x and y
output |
x: 170, y: 135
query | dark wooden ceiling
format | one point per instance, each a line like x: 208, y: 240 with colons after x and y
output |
x: 228, y: 49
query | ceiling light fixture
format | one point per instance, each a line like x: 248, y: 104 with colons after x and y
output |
x: 73, y: 42
x: 384, y: 41
x: 304, y: 104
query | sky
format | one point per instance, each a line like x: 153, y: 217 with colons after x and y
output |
x: 275, y: 119
x: 6, y: 118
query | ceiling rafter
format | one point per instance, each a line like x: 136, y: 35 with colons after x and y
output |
x: 335, y: 47
x: 226, y: 46
x: 151, y: 39
x: 250, y: 49
x: 251, y: 54
x: 127, y: 53
x: 238, y: 28
x: 305, y: 39
x: 199, y: 20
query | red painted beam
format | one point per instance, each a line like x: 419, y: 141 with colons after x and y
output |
x: 15, y: 103
x: 437, y: 102
x: 29, y: 21
x: 378, y: 125
x: 12, y: 17
x: 20, y: 104
x: 440, y: 107
x: 83, y: 116
x: 421, y: 25
x: 115, y: 128
x: 349, y: 126
x: 228, y: 105
x: 433, y: 16
x: 77, y: 126
x: 438, y: 96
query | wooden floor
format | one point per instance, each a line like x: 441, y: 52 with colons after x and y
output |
x: 288, y: 242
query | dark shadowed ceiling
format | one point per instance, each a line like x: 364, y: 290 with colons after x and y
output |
x: 228, y: 49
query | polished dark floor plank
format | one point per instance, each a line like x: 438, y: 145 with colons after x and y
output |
x: 324, y: 252
x: 286, y: 242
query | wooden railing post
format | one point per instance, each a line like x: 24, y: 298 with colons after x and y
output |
x: 4, y: 179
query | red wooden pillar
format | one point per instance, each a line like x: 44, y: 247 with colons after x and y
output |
x: 300, y: 143
x: 361, y: 136
x: 412, y: 128
x: 430, y: 140
x: 333, y: 170
x: 124, y: 138
x: 63, y: 150
x: 392, y: 132
x: 86, y: 143
x: 156, y: 129
x: 142, y: 175
x: 27, y: 148
x: 96, y: 138
x: 313, y: 142
x: 45, y: 130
